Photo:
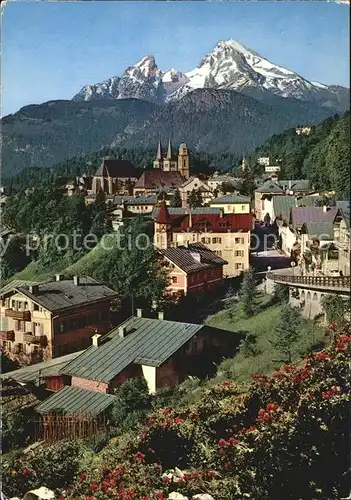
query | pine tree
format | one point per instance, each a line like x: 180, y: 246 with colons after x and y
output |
x: 176, y: 200
x: 248, y: 292
x: 286, y: 333
x: 193, y: 200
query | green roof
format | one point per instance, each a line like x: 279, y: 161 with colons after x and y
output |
x: 231, y: 198
x: 146, y: 342
x: 282, y: 205
x: 15, y: 284
x: 74, y: 400
x: 309, y: 201
x: 320, y: 230
x: 32, y: 373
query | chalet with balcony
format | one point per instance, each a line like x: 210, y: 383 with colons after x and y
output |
x: 41, y: 321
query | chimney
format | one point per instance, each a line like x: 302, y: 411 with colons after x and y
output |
x: 33, y: 289
x: 96, y: 340
x: 139, y: 313
x: 76, y: 280
x: 59, y: 277
x: 122, y: 330
x: 161, y: 315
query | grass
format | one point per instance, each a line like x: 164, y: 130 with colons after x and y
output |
x: 261, y: 325
x: 37, y: 272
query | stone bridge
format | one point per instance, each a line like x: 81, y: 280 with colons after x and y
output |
x: 306, y: 292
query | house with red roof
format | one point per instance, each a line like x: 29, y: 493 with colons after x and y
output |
x: 227, y: 235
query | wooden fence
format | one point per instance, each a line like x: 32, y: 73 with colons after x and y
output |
x: 54, y: 427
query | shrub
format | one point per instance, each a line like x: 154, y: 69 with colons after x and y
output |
x: 54, y: 466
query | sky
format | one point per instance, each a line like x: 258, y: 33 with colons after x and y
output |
x: 51, y: 49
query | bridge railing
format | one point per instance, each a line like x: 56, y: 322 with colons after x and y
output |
x: 324, y: 281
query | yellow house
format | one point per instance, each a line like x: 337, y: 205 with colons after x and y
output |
x: 228, y: 235
x: 232, y: 204
x: 45, y: 320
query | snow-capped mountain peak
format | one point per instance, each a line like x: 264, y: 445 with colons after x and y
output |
x: 145, y: 68
x: 230, y: 65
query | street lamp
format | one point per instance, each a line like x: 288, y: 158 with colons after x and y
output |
x: 293, y: 264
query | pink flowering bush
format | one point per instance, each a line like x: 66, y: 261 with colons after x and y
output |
x: 283, y: 436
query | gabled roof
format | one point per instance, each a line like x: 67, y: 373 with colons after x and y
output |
x: 320, y: 230
x: 281, y: 186
x: 14, y: 284
x: 75, y: 401
x: 117, y: 168
x: 231, y: 199
x: 147, y: 341
x: 156, y: 178
x: 184, y: 257
x: 282, y: 205
x: 344, y: 207
x: 32, y: 373
x: 59, y: 295
x: 135, y: 200
x: 301, y: 215
x: 173, y: 211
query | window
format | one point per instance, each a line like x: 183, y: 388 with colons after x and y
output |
x: 36, y: 307
x: 243, y: 207
x: 238, y: 265
x: 20, y: 347
x: 216, y: 240
x: 218, y: 252
x: 174, y: 279
x: 239, y: 241
x: 239, y: 253
x: 205, y: 240
x: 7, y: 346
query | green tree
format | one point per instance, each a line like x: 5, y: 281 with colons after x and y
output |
x: 286, y: 333
x: 176, y: 200
x: 281, y: 293
x: 248, y: 292
x: 194, y: 200
x: 132, y: 403
x: 335, y: 308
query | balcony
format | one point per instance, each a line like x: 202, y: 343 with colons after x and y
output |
x: 33, y: 339
x: 7, y: 335
x: 19, y: 315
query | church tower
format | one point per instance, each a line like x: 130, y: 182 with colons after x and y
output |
x: 158, y: 163
x: 170, y: 162
x: 184, y: 161
x: 163, y: 228
x: 244, y: 164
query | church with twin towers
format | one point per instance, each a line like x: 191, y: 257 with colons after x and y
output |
x: 170, y: 161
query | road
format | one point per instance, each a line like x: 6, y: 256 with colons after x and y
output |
x: 264, y: 238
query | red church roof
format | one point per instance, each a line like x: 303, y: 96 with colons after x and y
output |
x: 206, y: 222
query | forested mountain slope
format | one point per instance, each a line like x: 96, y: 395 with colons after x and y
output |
x: 323, y: 156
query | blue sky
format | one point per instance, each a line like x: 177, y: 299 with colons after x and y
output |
x: 51, y: 49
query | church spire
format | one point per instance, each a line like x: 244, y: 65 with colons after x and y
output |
x: 159, y: 151
x: 169, y: 151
